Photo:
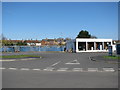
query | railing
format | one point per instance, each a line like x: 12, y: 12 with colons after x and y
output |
x: 31, y: 48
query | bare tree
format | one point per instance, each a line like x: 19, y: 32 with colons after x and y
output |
x: 2, y: 37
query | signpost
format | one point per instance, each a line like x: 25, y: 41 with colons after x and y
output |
x: 110, y: 50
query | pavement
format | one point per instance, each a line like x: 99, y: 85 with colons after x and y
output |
x: 100, y: 58
x: 59, y: 70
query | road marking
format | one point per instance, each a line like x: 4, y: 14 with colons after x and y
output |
x: 73, y: 62
x: 92, y: 69
x: 12, y: 68
x: 108, y: 69
x: 65, y: 69
x: 2, y: 68
x: 23, y: 59
x: 77, y: 69
x: 48, y: 69
x: 31, y: 58
x: 62, y: 69
x: 27, y: 59
x: 56, y: 63
x: 36, y: 69
x: 7, y: 60
x: 24, y: 69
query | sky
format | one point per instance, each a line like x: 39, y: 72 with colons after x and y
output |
x: 39, y: 20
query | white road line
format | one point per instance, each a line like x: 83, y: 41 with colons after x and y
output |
x: 77, y: 69
x: 92, y: 69
x: 27, y: 59
x: 36, y: 69
x: 23, y: 59
x: 7, y: 60
x: 62, y: 69
x: 73, y: 62
x: 48, y: 69
x: 2, y: 68
x: 12, y: 68
x: 24, y: 69
x: 108, y: 69
x: 31, y: 58
x: 55, y: 63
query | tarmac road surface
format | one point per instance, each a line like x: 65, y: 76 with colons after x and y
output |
x: 59, y: 70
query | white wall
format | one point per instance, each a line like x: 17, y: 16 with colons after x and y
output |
x: 38, y: 44
x: 91, y: 40
x: 114, y: 48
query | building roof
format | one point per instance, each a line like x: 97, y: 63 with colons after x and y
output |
x: 93, y: 39
x: 27, y: 41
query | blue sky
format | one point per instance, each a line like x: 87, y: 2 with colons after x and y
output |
x: 38, y: 20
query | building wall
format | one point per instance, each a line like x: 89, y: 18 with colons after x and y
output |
x: 38, y: 44
x: 70, y: 46
x: 114, y: 48
x: 100, y: 42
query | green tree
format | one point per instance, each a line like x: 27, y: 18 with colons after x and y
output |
x: 93, y: 36
x: 20, y: 43
x: 83, y: 34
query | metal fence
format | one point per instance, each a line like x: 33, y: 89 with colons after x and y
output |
x: 31, y: 48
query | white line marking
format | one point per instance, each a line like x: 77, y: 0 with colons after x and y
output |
x: 108, y: 69
x: 2, y: 68
x: 73, y: 62
x: 56, y: 63
x: 77, y: 69
x: 31, y: 58
x: 23, y: 59
x: 36, y: 69
x: 12, y: 68
x: 28, y: 59
x: 62, y: 69
x: 48, y: 69
x: 24, y: 69
x: 7, y: 60
x: 92, y: 69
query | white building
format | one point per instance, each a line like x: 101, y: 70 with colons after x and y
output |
x: 88, y: 45
x: 38, y: 44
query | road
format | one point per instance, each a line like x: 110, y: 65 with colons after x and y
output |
x: 59, y: 70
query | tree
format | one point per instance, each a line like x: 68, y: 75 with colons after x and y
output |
x: 20, y: 43
x: 83, y: 34
x: 2, y: 37
x: 67, y: 38
x: 7, y: 43
x: 93, y: 36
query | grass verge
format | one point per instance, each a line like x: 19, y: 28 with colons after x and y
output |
x: 19, y: 56
x: 112, y: 57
